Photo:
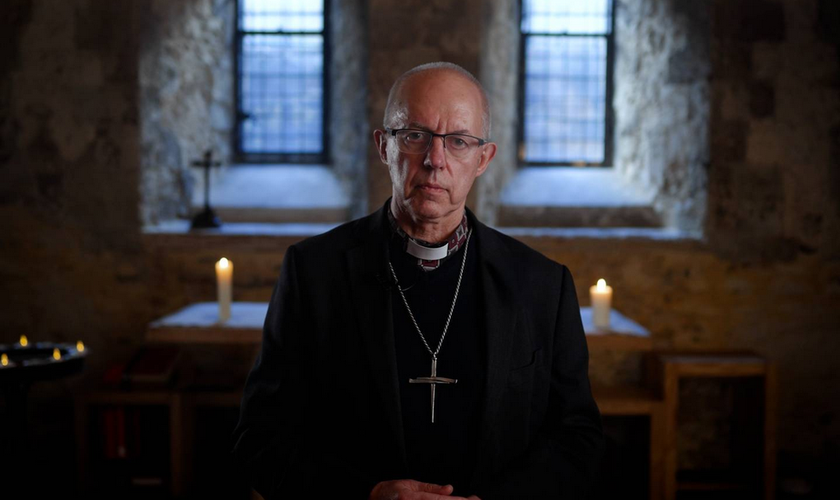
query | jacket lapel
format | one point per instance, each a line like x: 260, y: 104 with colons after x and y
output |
x: 499, y: 285
x: 368, y: 271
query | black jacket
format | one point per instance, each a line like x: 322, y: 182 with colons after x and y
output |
x: 321, y: 409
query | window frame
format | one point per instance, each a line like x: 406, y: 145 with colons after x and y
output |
x: 609, y: 112
x: 240, y: 156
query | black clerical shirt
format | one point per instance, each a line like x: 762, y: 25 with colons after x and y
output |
x: 442, y: 452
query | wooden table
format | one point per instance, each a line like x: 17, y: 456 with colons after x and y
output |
x: 199, y: 324
x: 623, y: 334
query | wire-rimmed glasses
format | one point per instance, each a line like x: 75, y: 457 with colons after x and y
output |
x: 413, y: 141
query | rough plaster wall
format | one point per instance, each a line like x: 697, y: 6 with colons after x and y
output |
x: 499, y: 61
x: 186, y: 97
x: 349, y: 133
x: 403, y: 35
x: 661, y: 103
x: 72, y: 265
x: 774, y: 181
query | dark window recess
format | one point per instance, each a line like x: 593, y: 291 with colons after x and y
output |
x: 281, y: 81
x: 566, y: 82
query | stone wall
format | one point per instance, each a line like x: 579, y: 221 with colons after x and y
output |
x: 774, y: 184
x: 75, y: 264
x: 499, y: 60
x: 71, y: 264
x: 350, y: 135
x: 661, y: 103
x: 186, y: 97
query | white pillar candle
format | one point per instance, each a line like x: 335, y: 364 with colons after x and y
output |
x: 601, y: 298
x: 224, y: 280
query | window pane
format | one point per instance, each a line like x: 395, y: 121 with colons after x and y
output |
x: 281, y: 88
x: 565, y: 99
x: 281, y: 15
x: 566, y: 16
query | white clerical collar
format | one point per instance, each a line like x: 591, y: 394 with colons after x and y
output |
x: 426, y: 253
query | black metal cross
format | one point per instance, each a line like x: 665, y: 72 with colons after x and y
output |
x: 207, y: 217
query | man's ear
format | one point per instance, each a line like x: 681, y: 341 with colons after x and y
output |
x: 380, y: 138
x: 488, y: 151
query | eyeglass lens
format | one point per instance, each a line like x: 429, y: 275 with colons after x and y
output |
x: 417, y: 142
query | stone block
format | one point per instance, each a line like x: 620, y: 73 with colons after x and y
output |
x: 829, y: 21
x: 729, y: 141
x: 762, y: 100
x: 688, y: 65
x: 758, y: 20
x: 767, y: 61
x: 734, y: 100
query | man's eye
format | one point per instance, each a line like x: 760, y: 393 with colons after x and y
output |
x: 415, y: 137
x: 457, y: 142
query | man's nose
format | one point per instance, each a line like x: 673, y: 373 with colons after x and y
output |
x: 436, y: 155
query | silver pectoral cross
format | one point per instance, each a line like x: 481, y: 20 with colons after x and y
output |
x: 433, y: 381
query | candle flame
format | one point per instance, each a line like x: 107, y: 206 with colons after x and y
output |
x: 223, y: 263
x: 80, y: 346
x: 24, y: 341
x: 602, y: 285
x: 56, y: 354
x: 4, y: 360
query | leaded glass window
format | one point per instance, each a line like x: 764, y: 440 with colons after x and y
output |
x: 566, y: 87
x: 280, y: 80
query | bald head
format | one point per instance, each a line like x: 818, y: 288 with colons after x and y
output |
x: 396, y: 99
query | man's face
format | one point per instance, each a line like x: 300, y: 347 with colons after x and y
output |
x: 433, y: 185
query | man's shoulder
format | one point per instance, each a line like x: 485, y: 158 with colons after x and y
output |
x: 340, y: 238
x: 518, y: 251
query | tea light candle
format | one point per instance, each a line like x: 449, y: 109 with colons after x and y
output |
x: 224, y: 280
x: 24, y: 341
x: 601, y: 297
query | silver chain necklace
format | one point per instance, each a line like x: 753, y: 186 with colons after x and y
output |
x: 451, y: 309
x: 434, y: 380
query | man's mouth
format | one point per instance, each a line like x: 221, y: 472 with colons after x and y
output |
x: 431, y: 187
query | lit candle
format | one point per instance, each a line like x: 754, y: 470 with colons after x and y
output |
x: 601, y: 296
x: 224, y: 279
x: 24, y: 341
x: 80, y: 346
x: 4, y: 360
x: 56, y: 354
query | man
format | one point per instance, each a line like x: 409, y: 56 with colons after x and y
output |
x: 416, y: 353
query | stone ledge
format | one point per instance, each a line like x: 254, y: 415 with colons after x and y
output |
x: 257, y: 237
x: 574, y: 197
x: 275, y: 194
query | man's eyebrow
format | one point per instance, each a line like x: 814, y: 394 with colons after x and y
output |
x: 420, y: 126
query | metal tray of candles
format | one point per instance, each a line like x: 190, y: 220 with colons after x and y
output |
x: 40, y: 361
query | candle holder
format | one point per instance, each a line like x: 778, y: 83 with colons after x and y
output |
x: 21, y: 365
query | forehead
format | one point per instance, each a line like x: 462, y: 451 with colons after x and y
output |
x: 441, y: 99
